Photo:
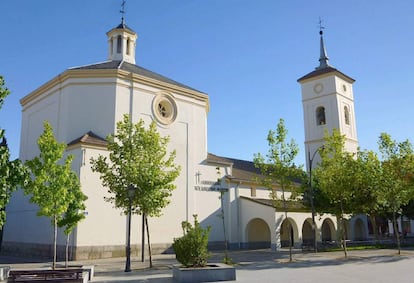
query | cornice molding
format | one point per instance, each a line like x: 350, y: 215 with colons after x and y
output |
x: 60, y: 80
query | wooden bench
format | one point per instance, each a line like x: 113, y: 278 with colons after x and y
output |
x: 48, y: 275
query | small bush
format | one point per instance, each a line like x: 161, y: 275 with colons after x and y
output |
x: 191, y: 249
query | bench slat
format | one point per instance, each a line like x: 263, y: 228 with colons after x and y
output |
x: 48, y: 275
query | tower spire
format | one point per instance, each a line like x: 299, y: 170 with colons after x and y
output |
x: 323, y: 58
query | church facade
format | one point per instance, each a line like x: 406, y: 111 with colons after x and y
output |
x: 83, y: 104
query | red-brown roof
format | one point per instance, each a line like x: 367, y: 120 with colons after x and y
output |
x: 91, y: 139
x: 327, y: 70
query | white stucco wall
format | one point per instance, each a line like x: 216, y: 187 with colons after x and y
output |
x: 76, y: 104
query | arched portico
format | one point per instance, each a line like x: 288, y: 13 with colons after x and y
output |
x: 284, y: 233
x: 258, y: 234
x: 328, y: 230
x: 308, y: 235
x: 360, y: 232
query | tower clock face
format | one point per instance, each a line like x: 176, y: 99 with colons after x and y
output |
x: 318, y: 88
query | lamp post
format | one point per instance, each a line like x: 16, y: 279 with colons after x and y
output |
x: 314, y: 230
x: 131, y: 193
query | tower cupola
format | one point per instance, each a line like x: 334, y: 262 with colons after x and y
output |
x: 122, y: 43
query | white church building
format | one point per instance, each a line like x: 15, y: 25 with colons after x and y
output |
x: 83, y: 104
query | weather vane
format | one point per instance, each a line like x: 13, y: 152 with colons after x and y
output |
x: 321, y: 27
x: 122, y: 10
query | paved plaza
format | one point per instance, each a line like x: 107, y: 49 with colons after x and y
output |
x: 264, y: 266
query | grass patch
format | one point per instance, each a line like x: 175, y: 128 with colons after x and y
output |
x: 367, y: 247
x: 359, y: 248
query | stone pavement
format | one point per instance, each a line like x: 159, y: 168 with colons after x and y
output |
x: 263, y: 266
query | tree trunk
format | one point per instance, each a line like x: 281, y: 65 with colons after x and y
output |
x: 149, y: 243
x: 54, y: 242
x: 288, y: 224
x: 344, y: 236
x: 143, y: 238
x: 374, y: 227
x: 67, y: 251
x: 343, y: 232
x: 396, y: 233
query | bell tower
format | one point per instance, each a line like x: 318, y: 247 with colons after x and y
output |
x: 328, y: 103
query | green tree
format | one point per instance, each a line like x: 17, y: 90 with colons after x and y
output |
x: 12, y: 173
x: 74, y: 214
x: 138, y: 157
x: 367, y: 183
x: 4, y: 91
x: 52, y: 182
x: 278, y: 167
x: 335, y: 180
x: 397, y: 177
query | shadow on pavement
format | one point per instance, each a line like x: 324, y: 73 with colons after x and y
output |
x: 309, y: 263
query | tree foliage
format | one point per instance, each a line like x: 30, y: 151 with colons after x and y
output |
x: 75, y: 212
x: 12, y: 173
x: 4, y: 91
x: 54, y: 186
x: 367, y: 175
x: 278, y: 167
x: 138, y: 157
x: 367, y: 180
x: 397, y: 172
x: 191, y: 248
x: 335, y: 179
x: 397, y: 176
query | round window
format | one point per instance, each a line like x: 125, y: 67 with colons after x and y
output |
x: 164, y: 109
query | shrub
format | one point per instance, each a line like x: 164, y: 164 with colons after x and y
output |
x: 191, y: 249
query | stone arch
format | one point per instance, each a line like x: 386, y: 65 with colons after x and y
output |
x: 346, y: 113
x: 307, y: 233
x: 360, y: 232
x: 284, y: 232
x: 258, y: 234
x: 328, y: 230
x: 320, y: 116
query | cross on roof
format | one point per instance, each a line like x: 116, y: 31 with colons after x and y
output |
x: 320, y: 26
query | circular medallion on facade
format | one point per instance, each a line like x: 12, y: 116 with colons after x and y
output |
x: 318, y: 88
x: 164, y: 109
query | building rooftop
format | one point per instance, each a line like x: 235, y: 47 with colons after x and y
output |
x: 122, y: 65
x: 91, y: 139
x: 323, y: 71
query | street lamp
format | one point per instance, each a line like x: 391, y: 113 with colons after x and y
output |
x: 131, y: 193
x: 314, y: 230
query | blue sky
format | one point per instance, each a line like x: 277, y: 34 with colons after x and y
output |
x: 246, y: 54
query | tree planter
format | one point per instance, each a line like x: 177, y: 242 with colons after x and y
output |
x: 209, y: 273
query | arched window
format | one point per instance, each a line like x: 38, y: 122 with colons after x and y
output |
x: 119, y: 44
x: 320, y: 116
x: 128, y: 46
x: 346, y: 113
x: 111, y: 47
